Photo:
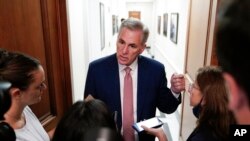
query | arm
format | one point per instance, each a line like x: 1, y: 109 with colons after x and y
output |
x: 158, y: 132
x: 168, y: 101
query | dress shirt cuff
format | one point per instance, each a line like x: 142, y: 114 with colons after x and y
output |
x: 175, y: 94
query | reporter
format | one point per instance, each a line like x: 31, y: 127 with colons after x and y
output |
x: 208, y: 96
x: 87, y: 121
x: 28, y: 84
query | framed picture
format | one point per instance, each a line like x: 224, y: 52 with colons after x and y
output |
x: 174, y: 27
x: 165, y: 24
x: 114, y: 24
x: 159, y: 25
x: 102, y: 26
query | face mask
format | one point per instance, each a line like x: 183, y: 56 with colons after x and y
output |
x: 197, y: 110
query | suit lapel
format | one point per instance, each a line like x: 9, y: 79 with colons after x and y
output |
x: 113, y: 65
x: 141, y: 89
x: 113, y: 80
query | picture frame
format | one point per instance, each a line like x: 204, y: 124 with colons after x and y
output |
x: 165, y: 24
x: 102, y: 25
x: 114, y: 24
x: 159, y: 25
x: 174, y: 27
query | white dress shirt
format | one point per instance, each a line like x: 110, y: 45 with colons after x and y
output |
x: 134, y: 75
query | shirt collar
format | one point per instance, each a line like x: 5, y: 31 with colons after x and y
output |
x: 132, y: 66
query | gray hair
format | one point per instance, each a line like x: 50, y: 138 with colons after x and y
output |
x: 135, y: 24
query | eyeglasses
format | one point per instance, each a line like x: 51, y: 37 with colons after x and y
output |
x: 192, y: 86
x: 42, y: 86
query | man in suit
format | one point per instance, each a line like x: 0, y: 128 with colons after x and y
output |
x: 233, y: 47
x: 105, y: 80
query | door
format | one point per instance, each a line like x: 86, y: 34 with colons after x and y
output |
x: 135, y: 14
x: 39, y: 29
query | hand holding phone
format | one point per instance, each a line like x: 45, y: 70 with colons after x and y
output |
x: 150, y: 123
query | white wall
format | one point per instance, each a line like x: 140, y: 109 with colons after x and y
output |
x: 84, y: 37
x: 164, y: 48
x: 77, y: 10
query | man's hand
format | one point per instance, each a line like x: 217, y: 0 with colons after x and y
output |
x: 177, y: 83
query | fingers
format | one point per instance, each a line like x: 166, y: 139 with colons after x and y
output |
x: 145, y: 127
x: 177, y: 83
x: 158, y: 132
x: 148, y: 130
x: 152, y: 131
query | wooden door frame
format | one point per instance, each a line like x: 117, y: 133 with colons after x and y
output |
x: 57, y: 18
x: 41, y: 32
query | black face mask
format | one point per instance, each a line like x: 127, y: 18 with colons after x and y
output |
x: 197, y: 110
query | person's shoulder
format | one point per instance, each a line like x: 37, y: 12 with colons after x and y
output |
x: 149, y: 61
x: 202, y: 133
x: 27, y: 111
x: 104, y: 60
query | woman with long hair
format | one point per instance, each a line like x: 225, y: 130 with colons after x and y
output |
x: 209, y: 98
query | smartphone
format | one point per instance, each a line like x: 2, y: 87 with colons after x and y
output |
x: 150, y: 123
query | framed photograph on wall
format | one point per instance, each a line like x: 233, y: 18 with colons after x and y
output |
x: 165, y: 24
x: 159, y: 25
x: 102, y: 25
x: 113, y: 24
x: 174, y: 27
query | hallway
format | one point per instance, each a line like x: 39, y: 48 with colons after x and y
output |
x: 67, y: 35
x: 181, y: 53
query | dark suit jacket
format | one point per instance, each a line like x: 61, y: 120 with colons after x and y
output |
x: 103, y: 83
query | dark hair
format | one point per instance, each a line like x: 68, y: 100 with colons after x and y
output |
x: 136, y: 24
x: 6, y: 132
x: 122, y: 19
x: 82, y: 117
x: 233, y: 41
x: 16, y: 68
x: 215, y: 114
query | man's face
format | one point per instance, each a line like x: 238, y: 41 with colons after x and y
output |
x: 129, y: 46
